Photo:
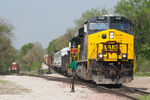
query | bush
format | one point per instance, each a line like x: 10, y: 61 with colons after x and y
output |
x: 35, y: 65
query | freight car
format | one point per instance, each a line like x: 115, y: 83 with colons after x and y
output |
x: 103, y: 50
x: 14, y: 68
x: 48, y: 60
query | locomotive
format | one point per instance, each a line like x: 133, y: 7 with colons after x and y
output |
x: 103, y: 50
x: 14, y: 68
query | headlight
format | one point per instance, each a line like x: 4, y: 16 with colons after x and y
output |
x: 124, y: 55
x: 111, y: 35
x: 100, y: 55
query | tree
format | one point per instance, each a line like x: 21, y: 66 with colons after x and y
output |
x: 61, y: 42
x: 138, y: 11
x: 33, y: 58
x: 25, y: 48
x: 7, y: 51
x: 51, y: 47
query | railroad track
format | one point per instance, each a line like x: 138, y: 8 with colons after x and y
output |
x: 135, y: 90
x: 124, y: 91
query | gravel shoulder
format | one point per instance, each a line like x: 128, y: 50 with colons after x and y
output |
x: 142, y: 83
x: 9, y: 87
x: 41, y: 89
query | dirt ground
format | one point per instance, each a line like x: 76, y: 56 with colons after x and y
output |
x: 31, y: 88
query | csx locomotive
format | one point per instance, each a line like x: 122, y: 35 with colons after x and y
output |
x: 103, y: 50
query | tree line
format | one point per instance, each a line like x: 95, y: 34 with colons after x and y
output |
x: 63, y: 41
x: 138, y: 11
x: 7, y: 51
x: 29, y: 57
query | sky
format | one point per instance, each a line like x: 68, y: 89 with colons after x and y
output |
x: 44, y: 20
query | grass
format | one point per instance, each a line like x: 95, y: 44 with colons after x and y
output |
x: 143, y: 97
x: 3, y: 82
x: 142, y: 74
x: 27, y: 90
x: 34, y: 72
x: 8, y: 87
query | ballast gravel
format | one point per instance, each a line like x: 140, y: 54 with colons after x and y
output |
x: 42, y: 89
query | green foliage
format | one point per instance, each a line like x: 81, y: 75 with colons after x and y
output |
x: 32, y: 59
x: 143, y: 97
x: 143, y: 64
x: 35, y: 65
x: 25, y: 48
x: 7, y: 51
x: 5, y: 29
x: 142, y: 74
x: 138, y: 11
x: 63, y: 41
x: 51, y: 47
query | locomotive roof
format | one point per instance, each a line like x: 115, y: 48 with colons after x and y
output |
x: 14, y: 63
x: 63, y: 51
x: 106, y: 18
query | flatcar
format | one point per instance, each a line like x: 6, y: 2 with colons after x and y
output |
x: 14, y: 68
x: 103, y: 50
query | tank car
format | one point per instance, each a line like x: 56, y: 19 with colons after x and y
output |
x: 104, y: 50
x: 14, y: 68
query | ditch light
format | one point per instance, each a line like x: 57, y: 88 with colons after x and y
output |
x: 124, y: 56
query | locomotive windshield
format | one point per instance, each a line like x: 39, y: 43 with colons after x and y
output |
x: 120, y: 23
x: 120, y: 26
x: 98, y: 26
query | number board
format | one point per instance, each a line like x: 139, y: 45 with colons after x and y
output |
x: 111, y: 47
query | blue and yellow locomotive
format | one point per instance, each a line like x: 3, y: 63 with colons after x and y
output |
x: 104, y: 50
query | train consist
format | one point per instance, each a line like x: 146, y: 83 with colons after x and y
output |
x: 103, y: 50
x: 14, y: 67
